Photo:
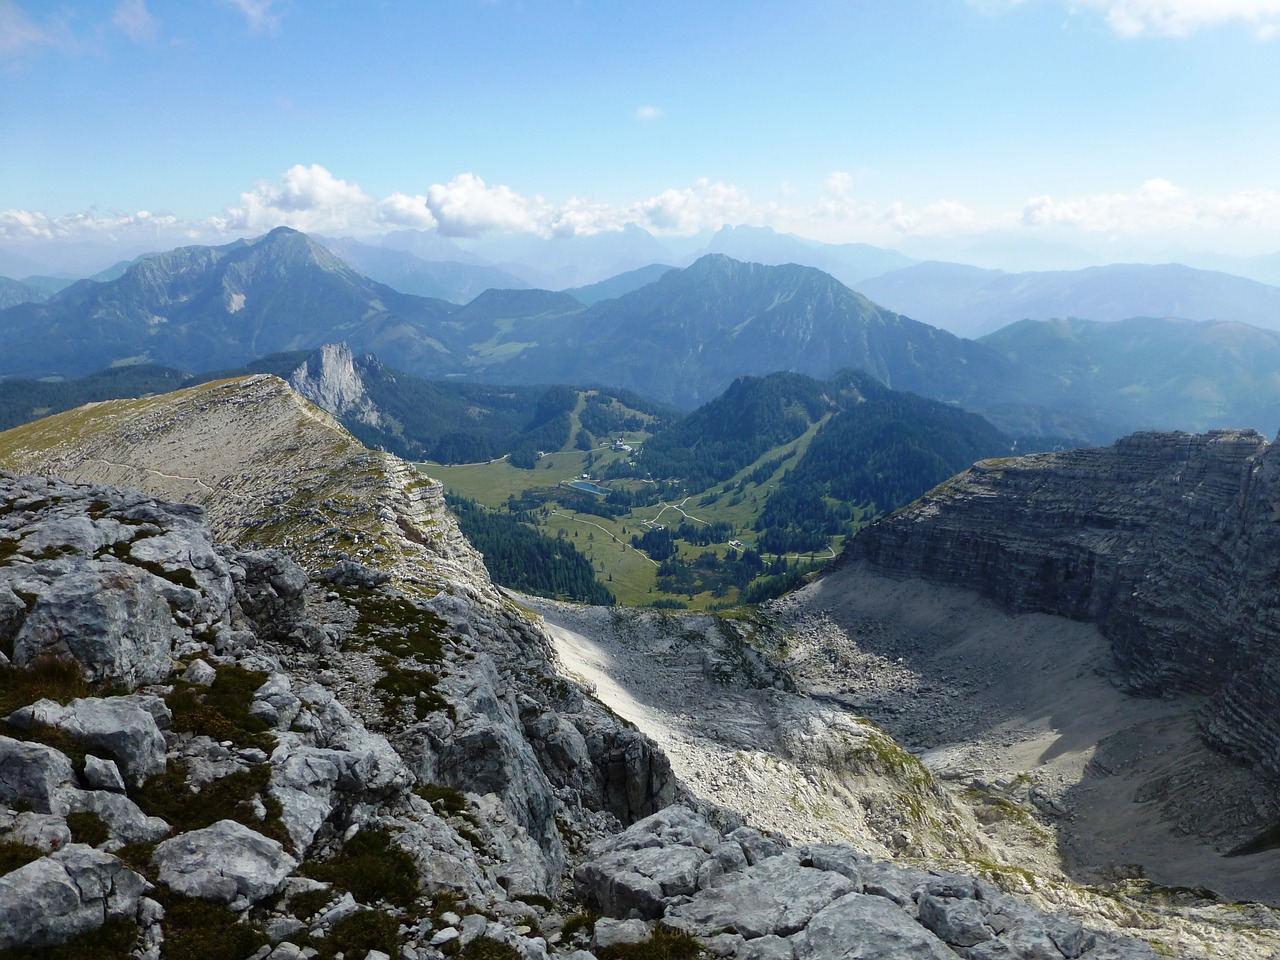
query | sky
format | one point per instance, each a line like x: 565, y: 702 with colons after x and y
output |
x: 1127, y: 129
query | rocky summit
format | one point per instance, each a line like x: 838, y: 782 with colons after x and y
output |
x: 295, y: 719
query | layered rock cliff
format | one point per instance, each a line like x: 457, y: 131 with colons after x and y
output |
x: 1168, y: 542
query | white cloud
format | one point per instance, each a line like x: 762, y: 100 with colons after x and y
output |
x: 134, y: 20
x: 1157, y: 205
x: 312, y: 199
x: 648, y: 112
x: 467, y: 207
x: 35, y: 226
x: 258, y: 13
x: 19, y: 34
x: 1179, y: 18
x: 308, y: 198
x: 402, y: 210
x: 703, y: 205
x: 839, y: 183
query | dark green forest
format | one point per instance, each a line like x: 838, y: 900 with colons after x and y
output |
x: 521, y: 558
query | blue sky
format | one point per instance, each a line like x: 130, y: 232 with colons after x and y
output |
x: 1127, y: 127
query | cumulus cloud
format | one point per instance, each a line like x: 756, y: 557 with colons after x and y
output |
x: 34, y: 226
x: 648, y: 112
x: 1179, y: 18
x: 134, y: 20
x: 258, y: 13
x: 402, y: 210
x: 1156, y: 205
x: 703, y: 205
x: 466, y: 207
x: 307, y: 198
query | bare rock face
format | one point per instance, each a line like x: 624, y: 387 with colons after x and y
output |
x: 328, y: 378
x: 1165, y: 540
x: 125, y: 727
x: 813, y: 902
x: 226, y: 861
x: 69, y: 892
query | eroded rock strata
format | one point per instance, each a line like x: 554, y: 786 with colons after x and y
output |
x: 1167, y: 541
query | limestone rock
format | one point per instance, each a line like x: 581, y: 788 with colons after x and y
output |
x: 1164, y: 540
x: 125, y: 727
x: 864, y: 926
x: 775, y: 897
x: 72, y: 891
x: 32, y: 773
x: 102, y: 774
x: 124, y: 818
x: 225, y: 861
x: 44, y: 831
x: 111, y: 618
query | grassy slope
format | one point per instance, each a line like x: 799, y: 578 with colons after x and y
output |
x: 607, y: 542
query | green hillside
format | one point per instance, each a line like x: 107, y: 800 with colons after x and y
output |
x: 734, y: 501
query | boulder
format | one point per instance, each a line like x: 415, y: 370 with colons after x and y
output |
x: 775, y: 897
x: 269, y: 588
x: 864, y: 926
x: 111, y: 618
x: 44, y: 831
x: 124, y: 818
x: 227, y: 862
x: 72, y: 891
x: 124, y: 727
x: 102, y: 774
x: 32, y: 773
x: 348, y: 573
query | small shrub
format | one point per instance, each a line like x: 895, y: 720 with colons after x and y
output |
x: 15, y: 855
x: 221, y: 711
x: 114, y: 940
x: 168, y: 796
x: 308, y: 903
x: 663, y: 945
x: 485, y: 948
x: 87, y: 827
x: 361, y: 932
x: 54, y: 678
x: 447, y: 800
x: 201, y: 930
x: 577, y: 922
x: 417, y: 686
x: 370, y: 867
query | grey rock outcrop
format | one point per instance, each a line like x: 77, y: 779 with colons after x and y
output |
x: 328, y: 378
x: 226, y: 861
x: 811, y: 903
x: 71, y: 891
x: 1164, y: 540
x: 32, y: 773
x: 124, y: 727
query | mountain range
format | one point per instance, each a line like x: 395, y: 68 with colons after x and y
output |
x: 678, y: 336
x: 971, y: 302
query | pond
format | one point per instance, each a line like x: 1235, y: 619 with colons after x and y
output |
x: 588, y: 486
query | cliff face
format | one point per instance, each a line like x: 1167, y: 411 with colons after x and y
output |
x: 1166, y: 541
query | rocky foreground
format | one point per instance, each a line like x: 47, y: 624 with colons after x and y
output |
x: 350, y: 744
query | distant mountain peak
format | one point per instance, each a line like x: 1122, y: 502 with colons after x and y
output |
x: 329, y: 379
